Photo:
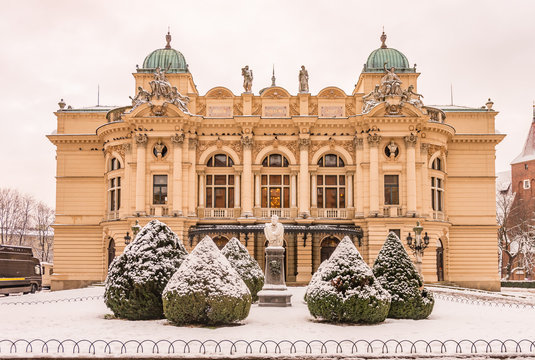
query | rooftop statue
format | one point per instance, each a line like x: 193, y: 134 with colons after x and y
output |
x: 372, y: 99
x: 303, y: 80
x: 390, y: 83
x: 408, y: 97
x: 247, y: 78
x: 160, y: 86
x: 274, y: 232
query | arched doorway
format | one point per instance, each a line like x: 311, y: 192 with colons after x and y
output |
x: 440, y: 261
x: 220, y: 241
x: 327, y: 247
x: 285, y: 259
x: 111, y: 251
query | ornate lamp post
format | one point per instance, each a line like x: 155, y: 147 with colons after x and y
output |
x: 135, y: 228
x: 418, y: 246
x: 127, y: 238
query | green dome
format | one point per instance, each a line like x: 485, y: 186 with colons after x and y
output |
x: 164, y: 58
x: 393, y: 58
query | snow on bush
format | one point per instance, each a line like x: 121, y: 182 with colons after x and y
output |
x: 395, y: 271
x: 345, y: 290
x: 206, y: 290
x: 137, y: 277
x: 245, y: 265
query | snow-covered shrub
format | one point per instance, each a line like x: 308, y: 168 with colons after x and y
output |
x: 206, y: 289
x: 137, y: 277
x: 395, y: 271
x: 345, y: 290
x: 245, y: 265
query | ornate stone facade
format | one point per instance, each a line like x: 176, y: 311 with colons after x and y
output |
x: 322, y: 159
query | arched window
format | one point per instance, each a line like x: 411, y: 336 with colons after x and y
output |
x: 220, y: 241
x: 331, y: 184
x: 220, y: 160
x: 437, y: 164
x: 331, y: 160
x: 275, y: 160
x: 275, y: 183
x: 114, y: 164
x: 219, y: 183
x: 328, y: 245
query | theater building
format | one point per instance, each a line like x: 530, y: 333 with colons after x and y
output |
x: 328, y: 165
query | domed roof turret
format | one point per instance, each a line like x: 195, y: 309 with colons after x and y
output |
x: 164, y: 58
x: 392, y: 58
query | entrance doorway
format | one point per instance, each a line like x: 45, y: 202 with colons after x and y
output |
x: 327, y: 247
x: 440, y: 261
x: 111, y: 251
x: 220, y: 241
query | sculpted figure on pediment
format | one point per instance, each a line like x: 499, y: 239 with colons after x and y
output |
x: 390, y: 83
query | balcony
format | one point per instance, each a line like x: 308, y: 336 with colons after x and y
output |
x: 332, y: 213
x: 269, y: 212
x: 159, y: 211
x: 392, y: 211
x: 112, y: 215
x: 219, y: 213
x: 439, y: 215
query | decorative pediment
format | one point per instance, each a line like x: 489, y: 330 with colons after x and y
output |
x: 219, y: 93
x: 276, y: 93
x: 332, y: 92
x: 394, y: 107
x: 157, y: 108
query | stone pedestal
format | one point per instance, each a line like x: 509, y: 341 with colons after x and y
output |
x: 274, y: 292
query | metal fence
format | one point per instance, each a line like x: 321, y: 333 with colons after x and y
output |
x: 265, y: 347
x: 475, y: 301
x: 51, y: 301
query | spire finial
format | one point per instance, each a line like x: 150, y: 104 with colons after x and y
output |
x: 168, y: 38
x: 273, y: 77
x: 383, y: 39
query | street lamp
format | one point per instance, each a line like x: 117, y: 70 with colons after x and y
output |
x: 135, y: 228
x: 127, y: 238
x: 418, y: 246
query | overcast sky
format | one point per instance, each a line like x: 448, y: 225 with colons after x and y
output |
x: 65, y: 49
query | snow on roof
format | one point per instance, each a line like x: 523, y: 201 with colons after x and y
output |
x: 528, y: 152
x: 503, y: 180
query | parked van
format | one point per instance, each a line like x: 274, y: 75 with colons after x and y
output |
x: 19, y: 270
x: 47, y: 269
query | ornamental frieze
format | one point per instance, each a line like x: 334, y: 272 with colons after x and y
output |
x: 205, y: 144
x: 347, y: 145
x: 119, y: 149
x: 260, y: 145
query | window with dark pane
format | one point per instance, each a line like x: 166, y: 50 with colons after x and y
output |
x: 159, y: 190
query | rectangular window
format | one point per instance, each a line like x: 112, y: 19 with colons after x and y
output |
x: 209, y: 197
x: 264, y: 197
x: 220, y: 197
x: 396, y: 231
x: 320, y: 198
x: 330, y: 180
x: 159, y: 190
x: 275, y: 198
x: 330, y: 198
x: 391, y: 189
x: 526, y: 184
x: 231, y: 197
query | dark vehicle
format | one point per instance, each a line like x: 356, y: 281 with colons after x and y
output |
x: 19, y: 270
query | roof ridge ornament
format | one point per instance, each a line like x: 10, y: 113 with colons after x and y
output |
x: 168, y: 38
x: 383, y: 39
x: 273, y: 77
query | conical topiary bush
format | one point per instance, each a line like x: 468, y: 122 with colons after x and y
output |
x: 137, y: 277
x: 345, y: 290
x: 245, y: 265
x: 395, y: 271
x: 206, y: 290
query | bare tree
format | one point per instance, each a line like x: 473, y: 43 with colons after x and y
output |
x: 9, y: 210
x: 23, y: 218
x: 504, y: 204
x: 43, y: 220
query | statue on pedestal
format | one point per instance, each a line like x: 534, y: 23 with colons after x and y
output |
x: 303, y: 80
x: 274, y: 232
x: 247, y: 78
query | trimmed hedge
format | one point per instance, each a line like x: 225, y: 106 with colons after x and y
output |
x: 245, y: 265
x: 343, y: 289
x: 137, y: 277
x: 206, y: 290
x: 525, y: 284
x: 397, y: 274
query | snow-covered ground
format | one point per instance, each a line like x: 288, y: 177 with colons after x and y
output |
x: 87, y: 319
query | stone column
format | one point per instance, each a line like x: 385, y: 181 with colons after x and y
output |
x: 304, y: 178
x: 192, y: 153
x: 141, y: 141
x: 201, y: 175
x: 247, y: 185
x: 426, y: 187
x: 178, y: 141
x: 126, y: 205
x: 293, y: 185
x: 359, y: 188
x: 349, y: 190
x: 410, y: 142
x: 236, y: 191
x: 314, y: 190
x: 373, y: 141
x: 257, y: 189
